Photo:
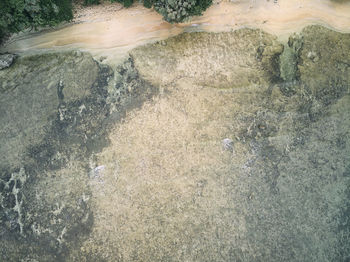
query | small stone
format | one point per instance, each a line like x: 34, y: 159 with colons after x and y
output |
x: 9, y: 201
x: 97, y: 173
x: 6, y: 60
x: 261, y: 127
x: 102, y: 58
x: 313, y: 56
x: 227, y: 144
x: 78, y: 54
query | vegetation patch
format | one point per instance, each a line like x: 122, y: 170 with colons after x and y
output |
x: 17, y: 15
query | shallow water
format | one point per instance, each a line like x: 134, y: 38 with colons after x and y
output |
x: 232, y: 146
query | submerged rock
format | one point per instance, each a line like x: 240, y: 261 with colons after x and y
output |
x: 324, y: 63
x: 6, y: 60
x: 54, y: 114
x: 49, y: 115
x: 283, y: 197
x: 76, y: 184
x: 224, y: 60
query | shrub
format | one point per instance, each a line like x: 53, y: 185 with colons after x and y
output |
x: 177, y: 11
x: 126, y: 3
x: 16, y: 15
x: 91, y: 2
x: 148, y: 3
x: 200, y: 7
x: 173, y: 11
